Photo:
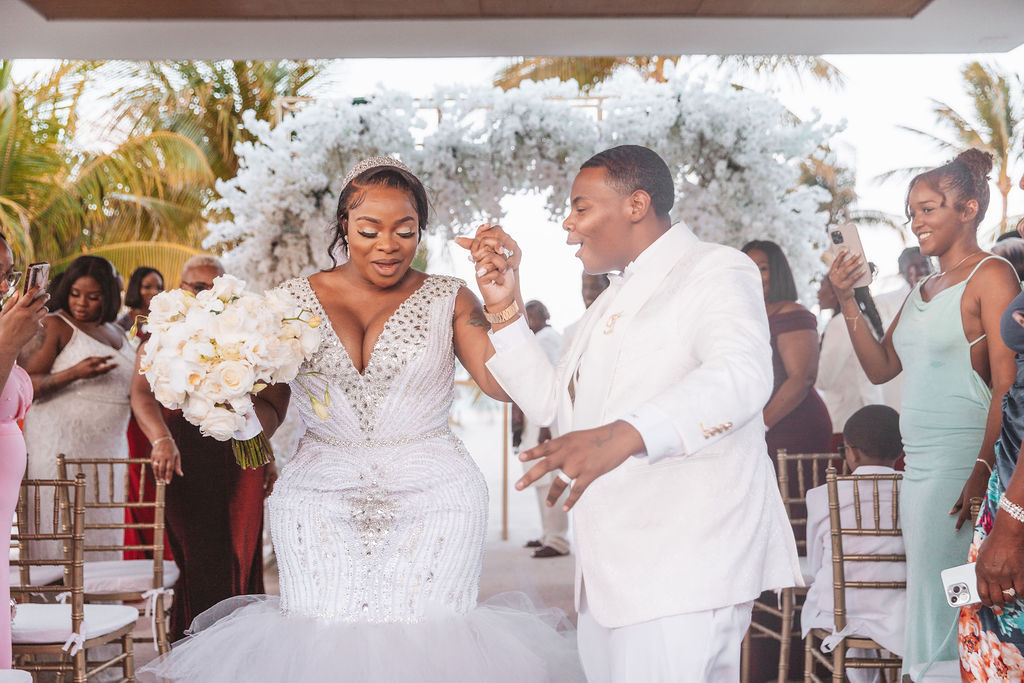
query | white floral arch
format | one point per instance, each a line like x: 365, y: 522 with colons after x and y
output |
x: 735, y: 154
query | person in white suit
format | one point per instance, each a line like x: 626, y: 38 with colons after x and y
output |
x: 678, y: 520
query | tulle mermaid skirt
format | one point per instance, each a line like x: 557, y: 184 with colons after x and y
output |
x: 248, y: 638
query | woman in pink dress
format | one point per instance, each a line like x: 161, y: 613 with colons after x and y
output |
x: 20, y: 320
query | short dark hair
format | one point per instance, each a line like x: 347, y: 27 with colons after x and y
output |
x: 133, y: 292
x: 542, y: 310
x: 781, y: 286
x: 102, y: 271
x: 631, y: 168
x: 966, y: 176
x: 352, y: 195
x: 875, y: 430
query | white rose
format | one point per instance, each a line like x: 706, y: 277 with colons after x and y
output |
x: 227, y: 287
x: 221, y: 423
x: 196, y: 408
x: 236, y: 378
x: 166, y: 394
x: 167, y: 306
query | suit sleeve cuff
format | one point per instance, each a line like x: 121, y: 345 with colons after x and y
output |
x: 656, y: 429
x: 510, y: 336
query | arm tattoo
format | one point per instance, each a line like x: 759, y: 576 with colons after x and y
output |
x: 32, y: 348
x: 475, y: 321
x: 47, y: 384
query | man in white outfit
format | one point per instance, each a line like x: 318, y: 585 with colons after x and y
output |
x: 678, y: 520
x: 554, y: 540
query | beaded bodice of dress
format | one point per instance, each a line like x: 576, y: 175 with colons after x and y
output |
x: 380, y: 515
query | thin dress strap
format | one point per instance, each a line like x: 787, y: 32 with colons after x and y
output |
x: 990, y: 256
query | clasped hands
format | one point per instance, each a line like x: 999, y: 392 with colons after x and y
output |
x: 579, y: 457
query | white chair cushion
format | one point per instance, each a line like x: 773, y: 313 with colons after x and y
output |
x: 48, y: 624
x: 15, y: 676
x: 805, y: 572
x: 125, y: 576
x: 40, y: 575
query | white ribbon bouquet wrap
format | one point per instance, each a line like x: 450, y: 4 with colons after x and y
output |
x: 208, y: 354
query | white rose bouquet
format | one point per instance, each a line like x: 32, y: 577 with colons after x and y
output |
x: 208, y: 353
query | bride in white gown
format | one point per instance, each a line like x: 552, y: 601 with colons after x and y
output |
x: 379, y: 519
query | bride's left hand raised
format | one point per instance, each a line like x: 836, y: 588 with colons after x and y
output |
x: 581, y: 457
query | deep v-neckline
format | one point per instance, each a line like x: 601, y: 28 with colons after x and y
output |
x: 383, y: 330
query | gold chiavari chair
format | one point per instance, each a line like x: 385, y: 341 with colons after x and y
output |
x: 145, y: 581
x: 57, y: 637
x: 797, y: 474
x: 864, y: 526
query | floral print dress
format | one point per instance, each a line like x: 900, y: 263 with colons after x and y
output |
x: 992, y: 639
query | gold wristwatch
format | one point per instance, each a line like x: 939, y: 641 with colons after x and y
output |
x: 504, y: 316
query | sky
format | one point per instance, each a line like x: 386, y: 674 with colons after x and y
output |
x: 881, y: 93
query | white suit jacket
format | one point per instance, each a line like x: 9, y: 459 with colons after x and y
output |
x: 877, y: 614
x: 678, y: 347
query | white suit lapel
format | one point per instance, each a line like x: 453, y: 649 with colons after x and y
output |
x: 603, y: 343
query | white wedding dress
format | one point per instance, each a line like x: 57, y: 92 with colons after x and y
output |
x: 378, y: 524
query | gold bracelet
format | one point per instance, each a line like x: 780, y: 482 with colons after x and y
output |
x: 162, y: 438
x: 854, y: 319
x: 504, y: 316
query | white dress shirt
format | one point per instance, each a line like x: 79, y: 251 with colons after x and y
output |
x: 841, y: 380
x: 874, y: 613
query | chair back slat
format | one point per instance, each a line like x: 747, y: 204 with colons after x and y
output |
x: 840, y: 558
x: 797, y: 474
x: 67, y: 531
x: 112, y: 488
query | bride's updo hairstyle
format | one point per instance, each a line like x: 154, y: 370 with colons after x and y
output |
x: 381, y: 173
x: 959, y: 181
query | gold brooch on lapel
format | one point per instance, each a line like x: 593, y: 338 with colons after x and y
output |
x: 610, y: 324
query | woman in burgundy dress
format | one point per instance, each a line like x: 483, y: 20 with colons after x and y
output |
x: 795, y: 415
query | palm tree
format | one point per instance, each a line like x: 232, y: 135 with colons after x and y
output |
x: 822, y: 170
x: 589, y: 71
x: 204, y: 100
x: 994, y: 125
x: 57, y: 198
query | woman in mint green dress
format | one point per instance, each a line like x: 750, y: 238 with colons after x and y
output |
x: 956, y: 368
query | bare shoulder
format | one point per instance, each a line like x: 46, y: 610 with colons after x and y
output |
x: 996, y: 271
x: 55, y: 324
x: 468, y: 304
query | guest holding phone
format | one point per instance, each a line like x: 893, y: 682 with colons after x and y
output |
x: 81, y: 368
x: 956, y: 368
x: 20, y: 319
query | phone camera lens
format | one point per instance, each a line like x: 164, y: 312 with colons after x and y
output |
x: 837, y: 237
x: 956, y: 589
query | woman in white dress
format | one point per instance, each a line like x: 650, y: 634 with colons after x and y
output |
x: 81, y: 367
x: 379, y: 519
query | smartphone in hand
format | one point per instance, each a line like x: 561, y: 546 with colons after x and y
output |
x: 961, y: 585
x: 846, y: 238
x: 37, y: 274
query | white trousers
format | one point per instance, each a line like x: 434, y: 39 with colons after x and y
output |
x: 685, y: 648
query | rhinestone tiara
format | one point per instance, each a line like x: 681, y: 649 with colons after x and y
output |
x: 373, y: 162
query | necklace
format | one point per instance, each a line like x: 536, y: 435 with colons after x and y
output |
x: 958, y: 263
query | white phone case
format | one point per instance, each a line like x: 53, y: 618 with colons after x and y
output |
x: 845, y: 237
x: 961, y: 585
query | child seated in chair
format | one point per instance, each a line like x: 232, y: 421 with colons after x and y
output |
x: 872, y: 445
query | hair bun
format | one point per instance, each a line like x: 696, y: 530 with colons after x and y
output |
x: 979, y: 162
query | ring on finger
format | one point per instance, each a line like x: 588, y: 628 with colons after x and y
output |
x: 565, y: 478
x: 1010, y: 592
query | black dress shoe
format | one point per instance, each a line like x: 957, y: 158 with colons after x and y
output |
x: 533, y: 544
x: 547, y: 551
